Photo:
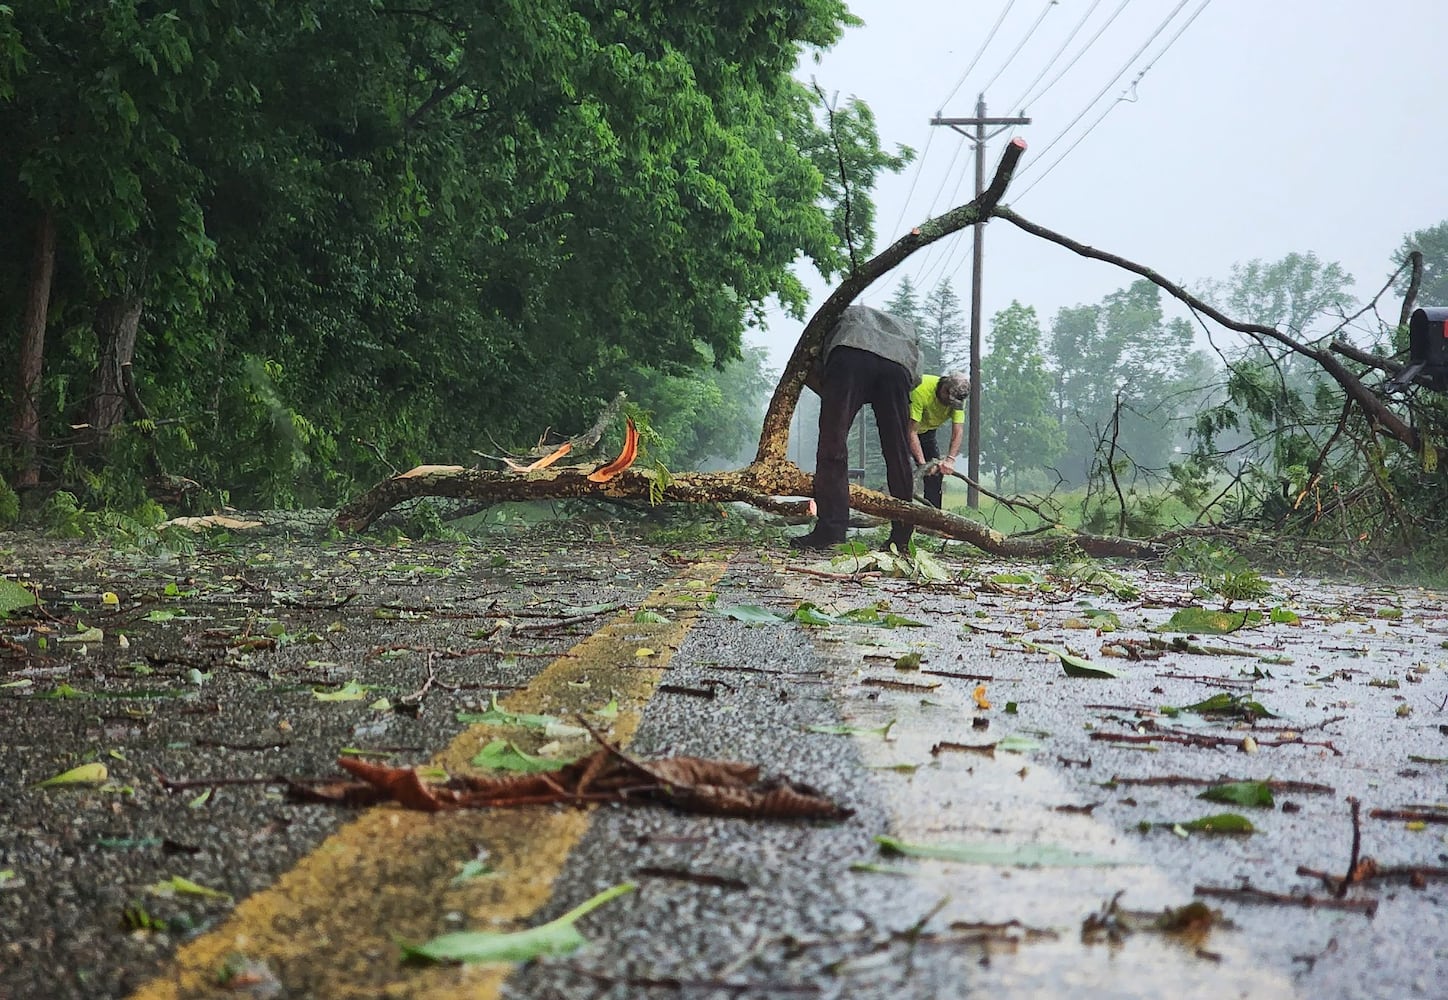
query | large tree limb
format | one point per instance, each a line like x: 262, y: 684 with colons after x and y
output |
x: 771, y: 475
x: 1375, y: 408
x: 760, y: 485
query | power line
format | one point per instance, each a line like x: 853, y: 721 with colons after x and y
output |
x: 983, y: 46
x: 914, y: 179
x: 1021, y: 44
x: 931, y: 251
x: 1021, y: 103
x: 1130, y: 89
x: 1109, y: 84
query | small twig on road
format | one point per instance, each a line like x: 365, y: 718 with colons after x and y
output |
x: 956, y: 675
x: 1206, y: 740
x: 698, y: 878
x: 1410, y: 815
x: 1357, y: 846
x: 894, y: 685
x: 848, y: 577
x: 413, y: 702
x: 1247, y: 894
x: 1306, y: 787
x: 693, y: 692
x: 1370, y: 871
x: 677, y: 985
x: 565, y: 622
x: 458, y: 654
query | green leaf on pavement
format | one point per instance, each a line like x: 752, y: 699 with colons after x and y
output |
x: 847, y: 730
x: 504, y: 755
x: 13, y: 597
x: 1075, y: 666
x: 85, y: 774
x: 351, y: 691
x: 809, y: 614
x: 1016, y: 743
x: 874, y: 616
x: 750, y: 614
x: 646, y: 617
x: 1222, y: 824
x: 1240, y: 793
x: 1236, y: 705
x: 1284, y: 616
x: 496, y: 716
x: 557, y: 937
x: 85, y: 635
x: 476, y: 868
x: 1205, y: 621
x: 178, y: 886
x: 1012, y: 855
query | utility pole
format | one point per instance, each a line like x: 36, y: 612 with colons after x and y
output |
x: 978, y: 139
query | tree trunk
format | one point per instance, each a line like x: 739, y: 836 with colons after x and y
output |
x: 116, y: 322
x: 32, y: 350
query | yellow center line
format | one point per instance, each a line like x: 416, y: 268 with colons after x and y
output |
x: 329, y: 926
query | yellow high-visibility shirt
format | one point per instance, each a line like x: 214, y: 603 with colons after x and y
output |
x: 927, y: 410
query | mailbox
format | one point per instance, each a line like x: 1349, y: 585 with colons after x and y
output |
x: 1427, y: 351
x: 1428, y: 339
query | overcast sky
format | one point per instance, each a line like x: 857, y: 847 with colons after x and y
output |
x: 1254, y: 129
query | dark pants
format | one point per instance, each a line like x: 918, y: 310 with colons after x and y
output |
x: 934, y: 485
x: 852, y: 378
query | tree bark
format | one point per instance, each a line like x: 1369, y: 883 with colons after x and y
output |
x: 32, y: 350
x: 116, y: 322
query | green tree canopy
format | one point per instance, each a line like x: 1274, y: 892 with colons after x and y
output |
x: 1019, y: 431
x: 347, y: 234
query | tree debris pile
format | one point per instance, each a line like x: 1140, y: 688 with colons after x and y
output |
x: 689, y: 784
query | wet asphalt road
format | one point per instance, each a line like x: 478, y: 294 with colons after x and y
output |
x: 227, y: 649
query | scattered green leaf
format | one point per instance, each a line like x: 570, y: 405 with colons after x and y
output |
x: 13, y: 597
x: 1234, y: 705
x: 178, y: 886
x: 504, y: 755
x: 351, y: 691
x: 1076, y: 666
x: 1205, y: 621
x: 1016, y: 743
x: 85, y: 774
x: 1222, y: 824
x: 1240, y: 793
x: 845, y: 730
x: 557, y: 937
x: 750, y: 614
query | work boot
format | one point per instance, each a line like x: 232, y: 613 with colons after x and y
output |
x: 899, y: 542
x: 813, y: 541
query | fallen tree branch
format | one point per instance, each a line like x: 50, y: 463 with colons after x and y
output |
x: 1375, y: 408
